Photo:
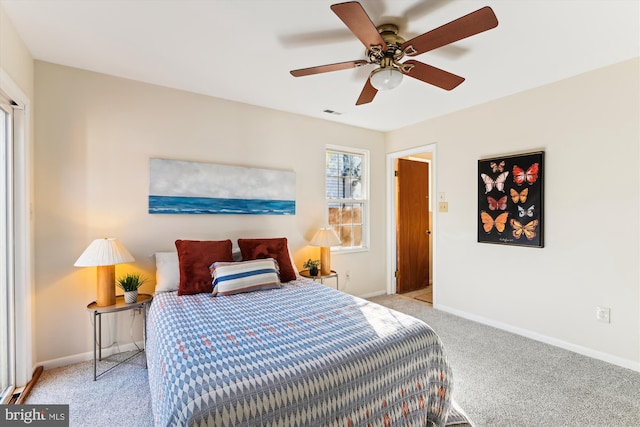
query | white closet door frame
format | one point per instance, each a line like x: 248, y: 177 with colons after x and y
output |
x: 19, y: 247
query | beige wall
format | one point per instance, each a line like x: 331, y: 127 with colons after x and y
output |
x: 589, y: 127
x: 15, y: 59
x: 94, y: 137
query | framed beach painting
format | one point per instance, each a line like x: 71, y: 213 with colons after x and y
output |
x: 184, y: 187
x: 510, y: 200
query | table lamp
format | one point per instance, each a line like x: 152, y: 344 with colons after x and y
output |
x: 105, y: 254
x: 325, y: 238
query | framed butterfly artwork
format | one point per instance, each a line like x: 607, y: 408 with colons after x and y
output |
x: 510, y: 200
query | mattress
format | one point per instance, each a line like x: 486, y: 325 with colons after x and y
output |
x: 301, y: 355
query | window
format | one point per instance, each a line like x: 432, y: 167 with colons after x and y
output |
x: 347, y: 196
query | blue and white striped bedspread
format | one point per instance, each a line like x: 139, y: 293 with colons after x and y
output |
x: 302, y: 355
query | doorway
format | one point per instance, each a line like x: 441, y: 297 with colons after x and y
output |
x: 411, y: 234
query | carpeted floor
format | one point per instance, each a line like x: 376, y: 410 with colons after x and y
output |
x: 500, y: 379
x: 117, y: 399
x: 503, y: 379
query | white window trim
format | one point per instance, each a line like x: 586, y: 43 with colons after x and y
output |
x: 6, y: 221
x: 366, y: 200
x: 22, y: 230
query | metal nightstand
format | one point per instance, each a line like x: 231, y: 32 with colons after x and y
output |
x: 141, y: 303
x: 332, y: 275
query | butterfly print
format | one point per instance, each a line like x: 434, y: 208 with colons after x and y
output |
x: 530, y: 176
x: 488, y: 222
x: 528, y: 212
x: 500, y: 204
x: 497, y: 167
x: 529, y: 229
x: 520, y: 197
x: 490, y: 183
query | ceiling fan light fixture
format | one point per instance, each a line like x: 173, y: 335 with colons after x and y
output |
x: 385, y: 78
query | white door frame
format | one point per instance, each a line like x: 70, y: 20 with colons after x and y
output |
x: 391, y: 212
x: 22, y: 229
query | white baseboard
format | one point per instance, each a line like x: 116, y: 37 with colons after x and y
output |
x: 83, y: 357
x: 605, y: 357
x: 372, y: 294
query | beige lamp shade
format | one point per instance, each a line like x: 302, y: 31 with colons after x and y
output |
x: 107, y: 251
x: 105, y: 254
x: 325, y: 238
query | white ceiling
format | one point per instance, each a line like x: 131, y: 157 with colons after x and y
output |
x: 242, y: 50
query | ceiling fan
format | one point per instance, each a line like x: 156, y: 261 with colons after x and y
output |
x: 386, y: 48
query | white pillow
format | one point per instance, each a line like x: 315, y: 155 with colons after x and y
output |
x: 293, y: 264
x: 167, y: 271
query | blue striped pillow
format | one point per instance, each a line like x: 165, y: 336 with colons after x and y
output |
x: 247, y: 276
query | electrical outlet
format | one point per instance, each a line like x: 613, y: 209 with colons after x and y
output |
x: 603, y: 314
x: 443, y: 206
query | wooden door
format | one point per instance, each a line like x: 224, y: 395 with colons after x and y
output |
x: 413, y: 232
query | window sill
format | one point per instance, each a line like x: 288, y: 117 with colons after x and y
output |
x: 349, y: 251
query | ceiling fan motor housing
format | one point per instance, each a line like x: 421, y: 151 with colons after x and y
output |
x: 376, y: 54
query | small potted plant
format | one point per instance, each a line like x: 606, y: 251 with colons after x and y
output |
x: 130, y: 283
x: 312, y: 265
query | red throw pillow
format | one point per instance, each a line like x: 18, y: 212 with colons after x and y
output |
x: 195, y: 257
x: 276, y: 248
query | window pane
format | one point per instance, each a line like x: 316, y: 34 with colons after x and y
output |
x: 357, y: 235
x: 332, y: 164
x: 335, y: 217
x: 356, y: 214
x: 345, y: 236
x: 333, y: 184
x: 355, y: 166
x: 356, y: 188
x: 352, y: 235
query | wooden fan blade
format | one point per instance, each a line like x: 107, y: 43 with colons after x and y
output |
x: 357, y: 20
x: 327, y: 68
x: 432, y: 75
x: 476, y: 22
x: 368, y: 93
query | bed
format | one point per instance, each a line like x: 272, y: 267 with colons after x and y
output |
x: 295, y: 354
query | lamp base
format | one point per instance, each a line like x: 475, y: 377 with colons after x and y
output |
x: 325, y: 260
x: 106, y: 285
